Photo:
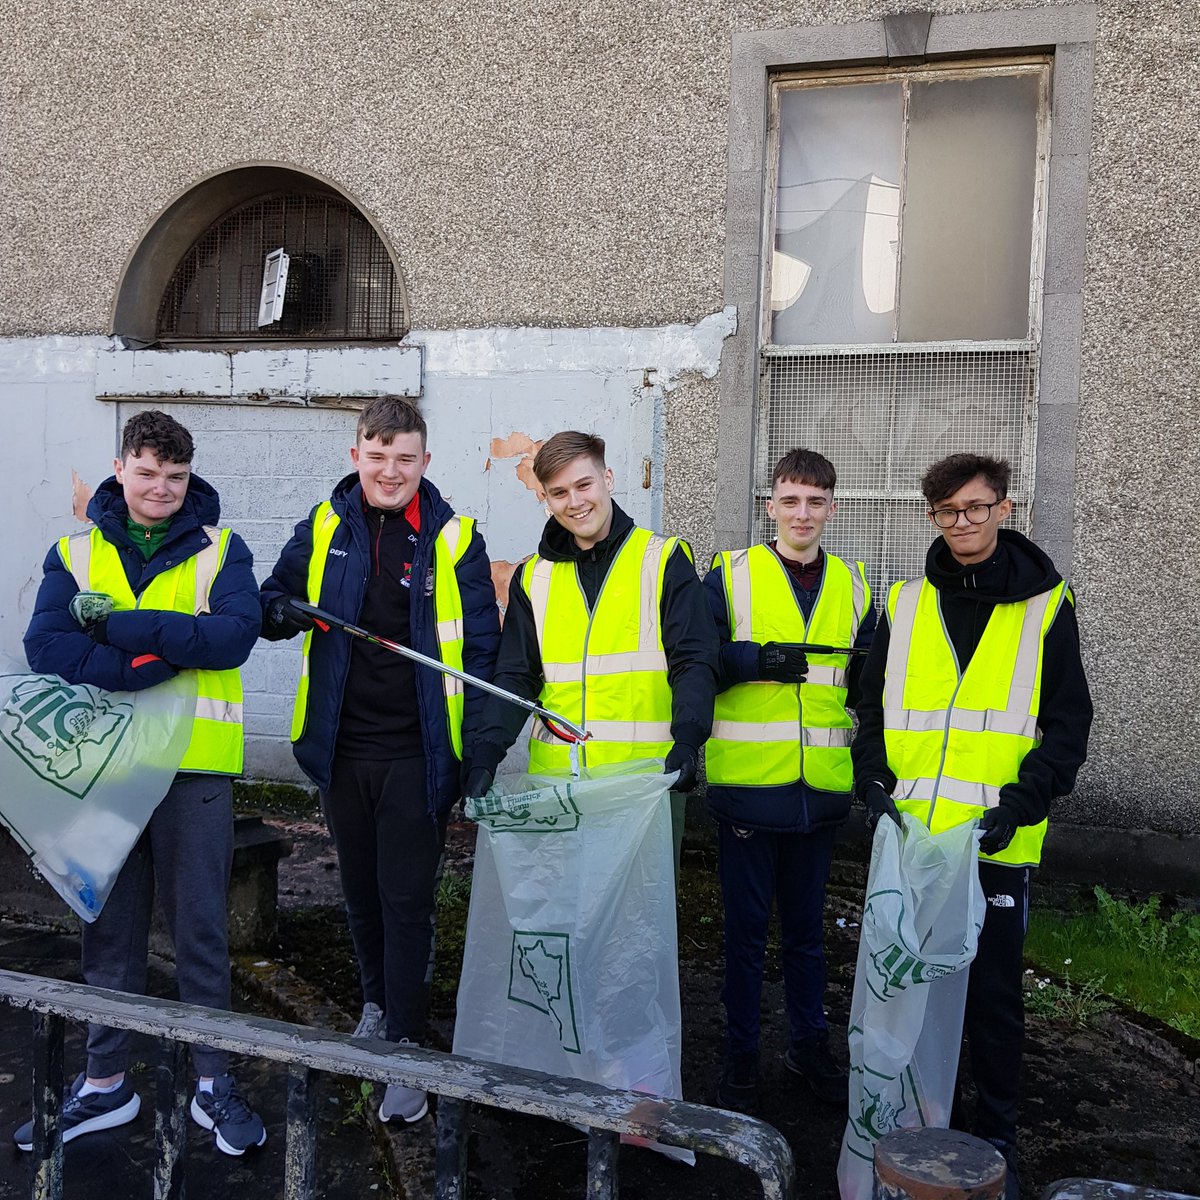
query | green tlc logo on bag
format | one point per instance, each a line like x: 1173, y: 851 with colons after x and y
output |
x: 65, y: 734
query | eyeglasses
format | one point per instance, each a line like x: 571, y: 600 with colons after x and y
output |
x: 976, y: 514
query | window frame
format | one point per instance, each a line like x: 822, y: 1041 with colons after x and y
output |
x: 1068, y: 34
x: 780, y: 81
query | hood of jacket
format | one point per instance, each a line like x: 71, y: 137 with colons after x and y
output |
x: 559, y: 544
x: 109, y: 512
x: 1016, y: 571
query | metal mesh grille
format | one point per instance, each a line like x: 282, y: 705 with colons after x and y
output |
x: 881, y: 417
x: 341, y: 283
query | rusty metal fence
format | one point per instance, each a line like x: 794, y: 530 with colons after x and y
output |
x: 605, y: 1113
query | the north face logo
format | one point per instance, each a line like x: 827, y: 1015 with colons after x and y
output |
x: 65, y: 734
x: 1002, y: 902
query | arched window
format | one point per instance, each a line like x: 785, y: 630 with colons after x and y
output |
x: 339, y: 279
x: 261, y: 253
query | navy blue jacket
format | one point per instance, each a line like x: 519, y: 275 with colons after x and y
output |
x: 343, y: 587
x: 215, y: 641
x: 781, y: 808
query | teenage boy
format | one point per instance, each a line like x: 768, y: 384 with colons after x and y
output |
x: 153, y: 588
x: 778, y: 765
x: 381, y: 737
x: 570, y: 605
x: 974, y: 705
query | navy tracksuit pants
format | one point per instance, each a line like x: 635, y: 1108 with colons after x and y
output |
x: 759, y: 870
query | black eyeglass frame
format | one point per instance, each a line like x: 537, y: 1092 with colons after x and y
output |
x: 935, y: 513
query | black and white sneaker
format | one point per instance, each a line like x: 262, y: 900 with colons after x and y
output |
x: 226, y: 1113
x: 87, y: 1114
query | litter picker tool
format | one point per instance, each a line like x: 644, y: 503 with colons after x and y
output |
x: 819, y: 648
x: 558, y: 725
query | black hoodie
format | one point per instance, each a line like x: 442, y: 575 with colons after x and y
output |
x: 688, y: 633
x: 966, y: 596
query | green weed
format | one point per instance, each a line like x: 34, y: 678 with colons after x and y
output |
x: 1144, y: 958
x: 1076, y: 1004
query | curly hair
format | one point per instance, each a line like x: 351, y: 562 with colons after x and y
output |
x: 154, y: 430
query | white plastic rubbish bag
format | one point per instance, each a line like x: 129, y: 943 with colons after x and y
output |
x: 82, y: 770
x: 921, y: 920
x: 570, y: 961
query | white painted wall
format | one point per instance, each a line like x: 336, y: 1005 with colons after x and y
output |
x: 272, y: 462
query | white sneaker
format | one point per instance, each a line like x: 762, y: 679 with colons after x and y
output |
x: 371, y: 1023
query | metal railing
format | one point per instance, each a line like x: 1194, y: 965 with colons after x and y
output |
x: 605, y: 1113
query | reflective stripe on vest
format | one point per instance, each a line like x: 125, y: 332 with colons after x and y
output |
x: 954, y: 740
x: 451, y: 543
x: 216, y: 745
x: 766, y: 734
x: 605, y: 670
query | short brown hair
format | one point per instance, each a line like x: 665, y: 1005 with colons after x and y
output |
x: 565, y: 448
x: 947, y: 475
x: 154, y: 430
x: 385, y: 416
x: 805, y: 466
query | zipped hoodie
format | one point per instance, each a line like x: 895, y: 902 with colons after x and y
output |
x: 218, y: 640
x: 688, y: 634
x: 1017, y: 571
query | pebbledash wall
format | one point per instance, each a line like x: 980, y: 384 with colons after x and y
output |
x: 574, y: 197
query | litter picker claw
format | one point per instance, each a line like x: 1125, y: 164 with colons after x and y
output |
x: 558, y: 725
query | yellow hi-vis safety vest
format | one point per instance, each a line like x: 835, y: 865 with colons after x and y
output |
x: 605, y: 670
x: 449, y: 546
x: 765, y: 733
x: 216, y: 744
x: 954, y: 739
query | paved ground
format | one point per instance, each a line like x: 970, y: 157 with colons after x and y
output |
x: 117, y: 1164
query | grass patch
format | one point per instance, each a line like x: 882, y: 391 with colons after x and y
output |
x: 1142, y: 956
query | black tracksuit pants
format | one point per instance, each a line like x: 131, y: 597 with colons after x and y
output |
x: 995, y: 1015
x: 389, y: 853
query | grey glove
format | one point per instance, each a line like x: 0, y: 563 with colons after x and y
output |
x: 998, y: 824
x: 879, y: 803
x: 89, y: 607
x: 782, y: 664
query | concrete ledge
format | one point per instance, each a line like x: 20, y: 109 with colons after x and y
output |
x: 257, y: 849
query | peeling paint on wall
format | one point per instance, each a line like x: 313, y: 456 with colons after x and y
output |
x: 81, y: 494
x: 519, y: 444
x: 502, y: 573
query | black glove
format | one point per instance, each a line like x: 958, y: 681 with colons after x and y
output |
x: 998, y: 825
x: 283, y: 618
x: 879, y: 803
x: 477, y: 782
x: 98, y: 631
x: 782, y: 664
x: 684, y: 759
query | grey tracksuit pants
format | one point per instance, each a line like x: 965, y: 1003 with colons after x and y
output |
x: 185, y: 854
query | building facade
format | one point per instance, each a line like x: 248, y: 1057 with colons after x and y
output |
x: 707, y: 231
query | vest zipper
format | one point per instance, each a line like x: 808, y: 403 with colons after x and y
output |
x: 587, y: 635
x: 949, y: 712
